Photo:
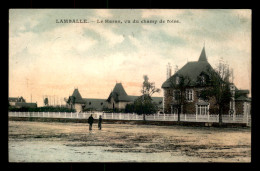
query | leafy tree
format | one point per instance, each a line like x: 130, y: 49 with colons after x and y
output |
x: 144, y: 104
x: 218, y: 87
x: 179, y: 85
x: 129, y: 108
x: 46, y: 102
x: 71, y: 101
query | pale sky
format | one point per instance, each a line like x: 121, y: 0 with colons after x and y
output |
x: 54, y: 58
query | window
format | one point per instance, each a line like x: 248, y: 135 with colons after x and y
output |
x: 202, y: 109
x: 177, y: 80
x: 189, y: 95
x: 203, y: 79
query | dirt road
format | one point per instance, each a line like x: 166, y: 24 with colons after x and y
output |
x: 72, y: 142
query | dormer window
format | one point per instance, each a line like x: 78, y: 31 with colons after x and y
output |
x: 177, y: 80
x: 203, y: 79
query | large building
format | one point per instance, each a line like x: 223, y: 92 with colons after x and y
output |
x: 78, y: 103
x: 196, y: 72
x: 117, y: 100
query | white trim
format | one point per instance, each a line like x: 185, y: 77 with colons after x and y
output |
x: 187, y: 92
x: 202, y: 109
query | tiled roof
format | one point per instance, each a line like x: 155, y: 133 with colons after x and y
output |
x: 13, y: 99
x: 97, y: 104
x: 118, y: 94
x: 78, y: 98
x: 16, y: 99
x: 158, y: 100
x: 243, y: 98
x: 23, y: 104
x: 191, y: 70
x: 242, y: 91
x: 203, y: 56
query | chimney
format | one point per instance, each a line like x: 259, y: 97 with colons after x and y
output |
x: 169, y: 71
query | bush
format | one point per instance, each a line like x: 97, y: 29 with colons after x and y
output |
x: 42, y: 109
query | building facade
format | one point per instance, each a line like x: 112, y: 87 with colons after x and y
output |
x: 116, y: 101
x: 118, y: 98
x: 20, y: 102
x: 196, y: 74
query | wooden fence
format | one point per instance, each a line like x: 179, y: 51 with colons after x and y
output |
x: 133, y: 116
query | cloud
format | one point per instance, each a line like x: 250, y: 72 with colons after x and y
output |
x: 58, y: 57
x: 103, y: 13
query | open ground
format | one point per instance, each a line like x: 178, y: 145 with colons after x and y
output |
x: 73, y: 142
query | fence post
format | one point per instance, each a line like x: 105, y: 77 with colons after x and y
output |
x: 153, y: 116
x: 185, y: 117
x: 70, y: 114
x: 112, y: 115
x: 164, y: 116
x: 196, y: 117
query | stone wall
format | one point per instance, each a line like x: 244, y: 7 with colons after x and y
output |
x: 117, y: 105
x: 78, y: 107
x: 121, y: 105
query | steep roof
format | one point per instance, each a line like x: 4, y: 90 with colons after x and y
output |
x: 191, y: 69
x: 118, y: 93
x: 203, y: 56
x: 77, y: 96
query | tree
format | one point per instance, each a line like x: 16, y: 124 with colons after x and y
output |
x: 179, y: 85
x: 46, y: 102
x: 218, y: 87
x: 142, y: 105
x: 145, y: 100
x: 71, y: 101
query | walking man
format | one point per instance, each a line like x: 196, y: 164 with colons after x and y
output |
x: 90, y: 121
x: 99, y: 122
